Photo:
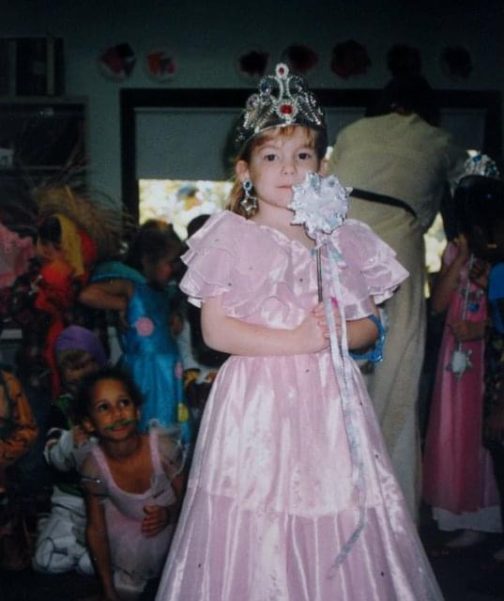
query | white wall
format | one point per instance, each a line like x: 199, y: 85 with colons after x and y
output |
x: 207, y: 37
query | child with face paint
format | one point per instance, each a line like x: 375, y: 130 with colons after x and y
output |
x: 133, y: 485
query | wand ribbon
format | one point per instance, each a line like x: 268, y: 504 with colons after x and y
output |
x: 321, y: 205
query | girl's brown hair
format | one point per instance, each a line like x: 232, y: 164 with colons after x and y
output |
x: 316, y: 140
x: 154, y: 240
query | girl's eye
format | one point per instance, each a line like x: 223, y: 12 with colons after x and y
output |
x: 102, y: 407
x: 270, y: 157
x: 125, y: 402
x: 305, y: 156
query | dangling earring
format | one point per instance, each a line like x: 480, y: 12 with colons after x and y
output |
x: 248, y: 202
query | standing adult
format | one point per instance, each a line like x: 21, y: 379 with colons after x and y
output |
x: 400, y: 164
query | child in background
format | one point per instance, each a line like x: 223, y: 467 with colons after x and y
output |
x: 73, y: 233
x: 291, y: 493
x: 138, y: 291
x: 484, y: 215
x: 18, y: 432
x: 133, y: 486
x: 60, y: 545
x: 458, y: 478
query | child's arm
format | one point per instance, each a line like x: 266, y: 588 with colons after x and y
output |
x: 233, y: 336
x: 447, y: 280
x: 236, y: 337
x: 111, y: 295
x: 62, y: 447
x: 362, y: 333
x: 99, y: 548
x: 96, y: 533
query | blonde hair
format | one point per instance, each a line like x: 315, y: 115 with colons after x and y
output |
x: 315, y: 139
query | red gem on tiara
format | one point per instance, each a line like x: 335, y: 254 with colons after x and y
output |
x: 286, y: 109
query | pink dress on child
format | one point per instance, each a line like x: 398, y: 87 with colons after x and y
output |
x: 271, y: 502
x: 458, y: 477
x: 135, y: 557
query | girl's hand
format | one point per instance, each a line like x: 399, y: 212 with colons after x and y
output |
x: 466, y: 331
x: 157, y: 517
x: 80, y: 436
x: 313, y: 334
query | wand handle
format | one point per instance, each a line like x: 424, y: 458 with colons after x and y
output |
x: 319, y: 274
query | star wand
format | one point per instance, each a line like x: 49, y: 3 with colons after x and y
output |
x: 321, y: 205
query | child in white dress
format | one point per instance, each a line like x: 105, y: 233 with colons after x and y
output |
x: 132, y: 483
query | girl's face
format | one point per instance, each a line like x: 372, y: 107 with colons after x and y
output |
x: 48, y: 251
x: 73, y: 374
x: 112, y: 413
x: 277, y: 164
x: 488, y: 245
x: 159, y: 272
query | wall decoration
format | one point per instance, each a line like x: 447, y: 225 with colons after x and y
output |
x: 403, y: 61
x: 252, y: 64
x: 350, y: 59
x: 300, y: 58
x: 161, y: 64
x: 456, y: 62
x: 117, y: 62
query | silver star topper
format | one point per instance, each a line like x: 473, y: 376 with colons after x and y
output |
x: 320, y: 204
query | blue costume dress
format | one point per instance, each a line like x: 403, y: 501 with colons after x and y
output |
x: 150, y: 352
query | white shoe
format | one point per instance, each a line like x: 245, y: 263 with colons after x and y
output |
x: 467, y: 538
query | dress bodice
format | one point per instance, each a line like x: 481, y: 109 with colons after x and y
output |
x: 266, y: 278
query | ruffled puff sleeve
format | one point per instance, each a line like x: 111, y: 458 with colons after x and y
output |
x: 369, y: 265
x: 218, y: 265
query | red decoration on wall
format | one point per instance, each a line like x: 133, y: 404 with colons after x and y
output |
x: 300, y: 58
x: 117, y: 62
x: 404, y: 61
x: 349, y: 59
x: 161, y: 64
x: 253, y: 63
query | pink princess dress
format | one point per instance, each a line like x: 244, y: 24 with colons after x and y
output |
x: 272, y: 509
x: 458, y: 478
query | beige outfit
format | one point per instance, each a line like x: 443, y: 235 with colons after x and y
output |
x: 400, y: 156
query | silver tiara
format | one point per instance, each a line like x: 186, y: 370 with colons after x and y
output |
x: 282, y: 100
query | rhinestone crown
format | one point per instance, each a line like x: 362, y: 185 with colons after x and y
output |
x: 282, y: 100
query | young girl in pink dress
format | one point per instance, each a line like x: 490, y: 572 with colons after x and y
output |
x: 291, y: 494
x: 458, y: 478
